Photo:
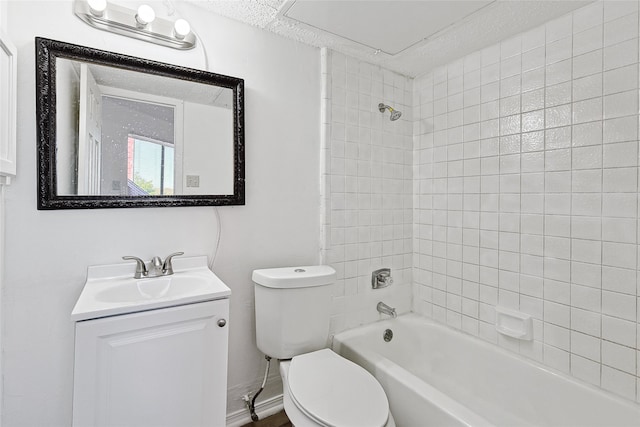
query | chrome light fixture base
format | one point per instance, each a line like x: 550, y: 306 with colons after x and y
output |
x: 121, y: 20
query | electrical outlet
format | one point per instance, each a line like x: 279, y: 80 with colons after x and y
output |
x: 193, y: 180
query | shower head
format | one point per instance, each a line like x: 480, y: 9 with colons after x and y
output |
x: 395, y: 114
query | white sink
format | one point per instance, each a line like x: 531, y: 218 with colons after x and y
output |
x: 111, y: 289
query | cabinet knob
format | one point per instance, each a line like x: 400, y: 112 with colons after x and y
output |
x: 222, y: 323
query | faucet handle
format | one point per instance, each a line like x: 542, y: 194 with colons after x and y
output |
x: 167, y: 267
x: 141, y: 268
x: 381, y: 278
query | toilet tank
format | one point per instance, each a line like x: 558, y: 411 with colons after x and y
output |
x: 292, y: 309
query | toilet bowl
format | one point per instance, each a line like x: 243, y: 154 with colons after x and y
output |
x: 322, y: 388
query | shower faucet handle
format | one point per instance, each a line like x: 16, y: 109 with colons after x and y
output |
x: 381, y: 278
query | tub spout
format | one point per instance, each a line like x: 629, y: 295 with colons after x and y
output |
x: 385, y: 309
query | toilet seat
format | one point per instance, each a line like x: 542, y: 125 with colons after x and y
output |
x: 336, y: 392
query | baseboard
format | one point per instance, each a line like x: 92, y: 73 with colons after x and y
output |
x: 263, y: 409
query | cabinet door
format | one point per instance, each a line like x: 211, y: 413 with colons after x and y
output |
x: 165, y: 367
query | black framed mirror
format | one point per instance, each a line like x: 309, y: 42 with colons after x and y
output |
x: 116, y: 131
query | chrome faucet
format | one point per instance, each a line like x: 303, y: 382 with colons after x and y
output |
x: 385, y: 309
x: 381, y: 278
x: 156, y: 268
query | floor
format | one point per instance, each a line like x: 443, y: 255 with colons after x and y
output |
x: 275, y: 420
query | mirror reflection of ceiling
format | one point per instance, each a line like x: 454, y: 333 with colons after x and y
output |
x: 409, y: 37
x: 157, y: 85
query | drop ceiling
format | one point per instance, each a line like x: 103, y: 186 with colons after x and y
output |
x: 409, y: 37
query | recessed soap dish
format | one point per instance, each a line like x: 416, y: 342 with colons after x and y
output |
x: 514, y: 324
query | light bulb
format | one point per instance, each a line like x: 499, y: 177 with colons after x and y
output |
x: 97, y: 7
x: 181, y: 28
x: 145, y: 15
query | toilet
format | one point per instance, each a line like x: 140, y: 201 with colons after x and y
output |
x: 320, y: 387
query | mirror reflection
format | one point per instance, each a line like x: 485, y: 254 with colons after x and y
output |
x: 117, y: 131
x: 126, y: 133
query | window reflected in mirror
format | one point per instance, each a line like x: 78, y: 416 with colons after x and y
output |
x: 149, y: 167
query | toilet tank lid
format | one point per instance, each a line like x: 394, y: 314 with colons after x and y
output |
x: 295, y: 277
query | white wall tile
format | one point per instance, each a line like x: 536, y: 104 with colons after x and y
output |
x: 622, y: 154
x: 621, y: 29
x: 586, y: 274
x: 587, y: 64
x: 587, y: 134
x: 620, y: 180
x: 621, y: 129
x: 367, y: 157
x: 590, y: 86
x: 559, y: 28
x: 588, y: 40
x: 587, y: 111
x: 587, y: 17
x: 586, y: 181
x: 619, y: 331
x: 618, y: 382
x: 589, y: 157
x: 619, y: 279
x: 585, y: 369
x: 540, y: 210
x: 619, y: 8
x: 557, y: 358
x: 619, y: 305
x: 586, y: 227
x: 624, y: 205
x: 621, y: 104
x: 621, y: 80
x: 621, y: 54
x: 586, y: 346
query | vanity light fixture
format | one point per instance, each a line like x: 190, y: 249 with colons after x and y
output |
x: 141, y: 23
x: 145, y: 16
x: 181, y: 29
x: 97, y: 7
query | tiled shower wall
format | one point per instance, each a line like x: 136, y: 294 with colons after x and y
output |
x: 526, y: 179
x: 367, y: 203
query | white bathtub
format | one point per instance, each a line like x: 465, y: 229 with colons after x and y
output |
x: 435, y: 376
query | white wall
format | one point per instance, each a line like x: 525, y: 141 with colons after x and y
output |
x: 3, y: 26
x: 216, y: 123
x: 49, y: 251
x: 526, y: 156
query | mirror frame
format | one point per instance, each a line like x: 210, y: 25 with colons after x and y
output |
x: 47, y: 51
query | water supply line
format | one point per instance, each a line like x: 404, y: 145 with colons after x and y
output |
x: 215, y: 247
x: 251, y: 404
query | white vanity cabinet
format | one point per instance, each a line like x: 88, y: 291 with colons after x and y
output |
x: 162, y: 367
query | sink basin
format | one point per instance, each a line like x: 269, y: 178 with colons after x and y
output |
x: 174, y: 286
x: 111, y: 289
